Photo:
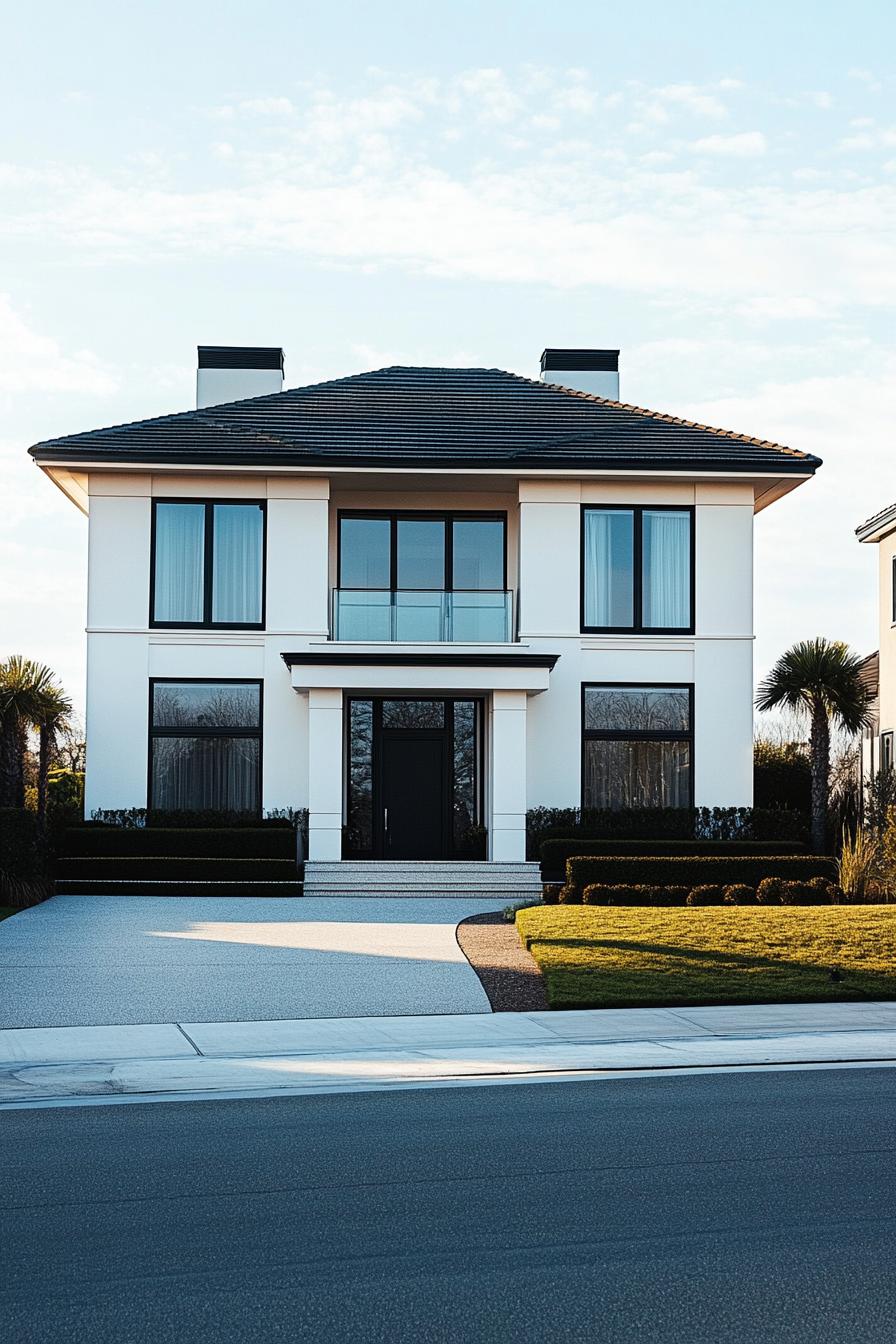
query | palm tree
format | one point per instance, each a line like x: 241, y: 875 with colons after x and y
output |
x: 53, y: 711
x: 820, y: 678
x: 22, y: 684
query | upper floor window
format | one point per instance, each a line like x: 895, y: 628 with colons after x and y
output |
x: 422, y: 577
x: 637, y: 569
x: 208, y: 563
x: 422, y: 553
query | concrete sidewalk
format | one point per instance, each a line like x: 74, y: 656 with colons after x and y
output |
x: 349, y: 1054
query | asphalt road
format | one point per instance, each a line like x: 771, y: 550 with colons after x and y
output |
x: 714, y: 1208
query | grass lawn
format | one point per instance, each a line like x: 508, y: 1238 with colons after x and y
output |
x: 636, y: 957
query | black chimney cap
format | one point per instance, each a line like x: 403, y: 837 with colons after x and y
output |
x: 602, y: 361
x: 240, y: 357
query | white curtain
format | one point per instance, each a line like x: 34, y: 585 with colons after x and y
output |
x: 179, y: 566
x: 236, y: 586
x: 214, y: 774
x: 608, y: 567
x: 667, y: 569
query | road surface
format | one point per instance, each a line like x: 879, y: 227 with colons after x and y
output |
x: 725, y: 1207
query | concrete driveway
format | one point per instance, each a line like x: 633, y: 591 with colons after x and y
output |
x: 102, y: 960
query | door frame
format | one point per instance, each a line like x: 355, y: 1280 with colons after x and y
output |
x: 377, y: 697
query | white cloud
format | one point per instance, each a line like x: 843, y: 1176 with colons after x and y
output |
x: 31, y: 362
x: 745, y: 145
x: 865, y: 77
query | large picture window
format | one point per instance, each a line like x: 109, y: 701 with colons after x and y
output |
x: 637, y: 569
x: 420, y: 576
x: 637, y: 748
x: 208, y: 563
x: 205, y: 746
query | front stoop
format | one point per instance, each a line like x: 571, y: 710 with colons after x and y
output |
x: 416, y: 879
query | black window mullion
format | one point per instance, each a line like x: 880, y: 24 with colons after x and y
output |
x: 638, y: 570
x: 448, y: 552
x: 209, y: 555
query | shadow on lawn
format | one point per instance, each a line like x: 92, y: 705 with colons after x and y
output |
x: 706, y: 957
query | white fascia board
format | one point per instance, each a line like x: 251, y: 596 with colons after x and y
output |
x: 389, y: 677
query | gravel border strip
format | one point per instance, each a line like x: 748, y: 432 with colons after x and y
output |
x: 507, y: 973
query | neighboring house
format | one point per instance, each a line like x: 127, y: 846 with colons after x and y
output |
x: 877, y: 743
x: 419, y: 601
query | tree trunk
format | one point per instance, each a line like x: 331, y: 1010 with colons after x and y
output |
x: 43, y: 773
x: 10, y: 771
x: 820, y: 755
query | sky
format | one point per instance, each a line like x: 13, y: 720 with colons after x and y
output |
x: 709, y: 187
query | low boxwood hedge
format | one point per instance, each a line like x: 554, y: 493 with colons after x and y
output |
x: 772, y: 891
x: 695, y: 870
x: 554, y: 853
x: 241, y: 842
x: 18, y: 843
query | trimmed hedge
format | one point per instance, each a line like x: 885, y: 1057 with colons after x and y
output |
x: 662, y: 823
x: 177, y: 869
x: 695, y: 870
x: 817, y: 892
x: 270, y: 842
x: 554, y: 853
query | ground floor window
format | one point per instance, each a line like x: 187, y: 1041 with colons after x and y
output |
x: 413, y: 778
x: 637, y: 748
x: 205, y: 746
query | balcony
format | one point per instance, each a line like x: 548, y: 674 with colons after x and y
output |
x: 419, y: 616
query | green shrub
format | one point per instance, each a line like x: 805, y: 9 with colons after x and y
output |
x: 736, y: 893
x: 662, y: 823
x: 770, y: 891
x: 18, y: 842
x: 556, y: 851
x: 695, y: 870
x: 568, y: 895
x: 598, y: 893
x: 550, y: 892
x: 707, y: 894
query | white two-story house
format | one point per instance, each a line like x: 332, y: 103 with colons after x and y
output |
x: 418, y: 601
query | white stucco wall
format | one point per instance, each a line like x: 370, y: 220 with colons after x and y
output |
x: 544, y: 530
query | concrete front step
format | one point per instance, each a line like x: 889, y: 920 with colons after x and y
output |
x: 383, y: 878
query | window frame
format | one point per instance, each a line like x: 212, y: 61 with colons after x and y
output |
x: 447, y: 516
x: 645, y: 735
x: 638, y: 627
x: 179, y: 731
x: 208, y: 567
x: 887, y: 760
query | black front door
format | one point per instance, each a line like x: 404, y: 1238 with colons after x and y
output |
x: 413, y: 785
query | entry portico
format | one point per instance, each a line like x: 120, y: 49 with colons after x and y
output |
x: 403, y: 743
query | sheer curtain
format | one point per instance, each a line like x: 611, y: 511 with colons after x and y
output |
x: 236, y: 585
x: 667, y: 569
x: 179, y: 569
x: 608, y: 567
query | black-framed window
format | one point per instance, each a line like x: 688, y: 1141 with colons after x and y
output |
x: 205, y: 746
x: 637, y: 568
x: 637, y: 745
x: 208, y: 563
x: 886, y: 752
x: 423, y: 552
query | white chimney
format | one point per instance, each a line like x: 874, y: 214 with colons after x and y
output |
x: 594, y: 371
x: 234, y: 372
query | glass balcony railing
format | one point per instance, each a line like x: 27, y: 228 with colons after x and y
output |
x: 417, y: 616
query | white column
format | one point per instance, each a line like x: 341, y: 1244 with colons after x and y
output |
x: 324, y: 774
x: 508, y: 776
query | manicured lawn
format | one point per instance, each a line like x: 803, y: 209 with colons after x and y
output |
x: 603, y: 957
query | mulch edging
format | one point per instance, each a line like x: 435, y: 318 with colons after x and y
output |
x: 508, y: 974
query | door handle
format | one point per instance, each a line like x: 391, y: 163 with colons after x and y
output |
x: 385, y: 818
